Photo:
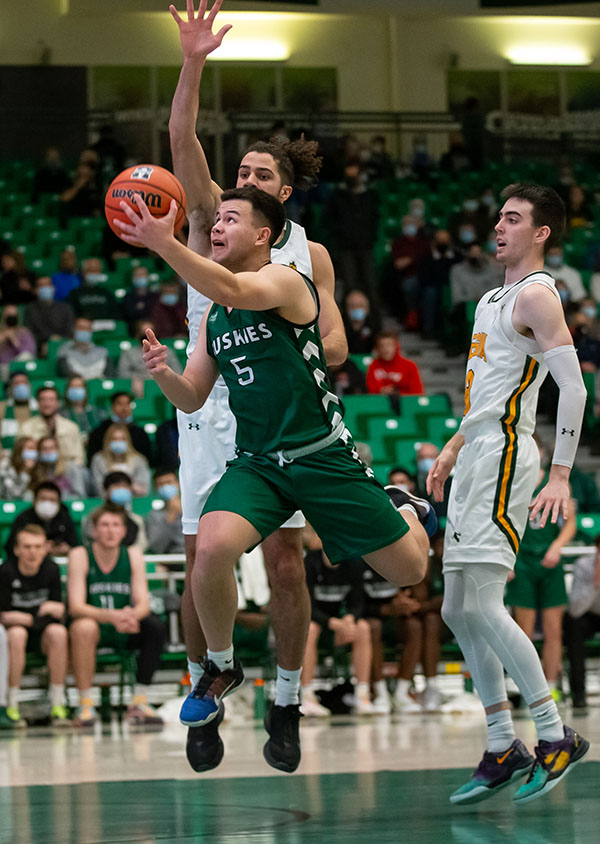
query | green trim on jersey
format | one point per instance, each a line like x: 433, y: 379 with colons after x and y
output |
x: 287, y: 231
x: 112, y: 590
x: 508, y: 461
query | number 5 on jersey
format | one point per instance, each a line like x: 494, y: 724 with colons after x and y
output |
x: 245, y: 372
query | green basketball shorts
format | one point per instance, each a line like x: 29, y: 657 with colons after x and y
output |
x: 351, y: 513
x: 535, y: 587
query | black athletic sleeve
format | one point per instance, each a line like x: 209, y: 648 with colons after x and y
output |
x: 54, y: 585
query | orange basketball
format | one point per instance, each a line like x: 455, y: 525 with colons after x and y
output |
x: 157, y: 187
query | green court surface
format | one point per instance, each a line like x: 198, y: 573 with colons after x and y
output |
x: 377, y: 808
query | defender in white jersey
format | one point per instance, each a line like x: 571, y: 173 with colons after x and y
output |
x: 206, y: 437
x: 519, y: 335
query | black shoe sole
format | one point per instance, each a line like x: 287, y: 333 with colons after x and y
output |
x: 199, y: 761
x: 279, y: 764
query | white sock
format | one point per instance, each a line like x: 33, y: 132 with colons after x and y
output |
x: 548, y: 722
x: 222, y: 659
x: 402, y: 688
x: 380, y: 688
x: 362, y: 691
x: 501, y: 731
x: 13, y: 696
x: 287, y: 688
x: 431, y: 682
x: 196, y: 671
x: 85, y: 693
x: 57, y: 694
x: 410, y: 508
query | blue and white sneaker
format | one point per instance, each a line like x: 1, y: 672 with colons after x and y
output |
x: 425, y: 512
x: 202, y: 703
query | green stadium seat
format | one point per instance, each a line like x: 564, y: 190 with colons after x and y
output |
x: 405, y: 454
x: 118, y: 331
x: 439, y: 429
x: 360, y: 408
x: 588, y: 524
x: 80, y: 510
x: 381, y: 470
x: 361, y: 361
x: 9, y: 510
x: 144, y: 505
x: 383, y: 433
x: 101, y: 389
x: 145, y: 409
x: 52, y: 381
x: 434, y: 405
x: 34, y: 368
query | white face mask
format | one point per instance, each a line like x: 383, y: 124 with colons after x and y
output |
x: 46, y: 509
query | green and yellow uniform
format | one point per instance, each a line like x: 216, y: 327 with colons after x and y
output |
x: 293, y: 449
x: 534, y: 586
x: 110, y: 591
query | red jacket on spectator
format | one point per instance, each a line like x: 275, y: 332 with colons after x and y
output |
x: 393, y: 374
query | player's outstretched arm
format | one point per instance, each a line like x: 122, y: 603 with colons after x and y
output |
x: 189, y: 162
x: 331, y: 325
x: 444, y: 463
x: 537, y: 311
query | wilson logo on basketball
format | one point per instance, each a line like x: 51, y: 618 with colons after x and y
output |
x: 152, y: 200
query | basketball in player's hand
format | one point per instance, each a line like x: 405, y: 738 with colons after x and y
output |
x: 157, y: 186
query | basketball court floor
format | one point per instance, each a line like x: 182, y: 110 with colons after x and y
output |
x: 379, y: 779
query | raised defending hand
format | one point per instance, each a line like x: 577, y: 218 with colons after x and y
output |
x: 552, y: 500
x: 154, y: 353
x: 197, y: 39
x: 144, y: 229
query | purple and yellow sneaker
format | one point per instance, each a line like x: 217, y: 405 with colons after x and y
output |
x: 553, y: 760
x: 495, y: 772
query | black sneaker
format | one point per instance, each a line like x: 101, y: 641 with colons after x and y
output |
x: 202, y: 704
x: 425, y: 512
x: 282, y: 750
x: 204, y: 747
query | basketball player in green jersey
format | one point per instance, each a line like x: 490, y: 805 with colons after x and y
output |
x: 293, y: 449
x: 207, y: 437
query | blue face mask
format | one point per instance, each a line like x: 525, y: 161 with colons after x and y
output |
x: 21, y: 392
x: 140, y: 281
x: 120, y: 495
x: 425, y: 465
x: 564, y: 295
x: 76, y: 393
x: 30, y: 454
x: 46, y: 293
x: 118, y: 446
x: 119, y: 421
x: 554, y: 260
x: 470, y: 205
x: 358, y: 313
x: 492, y: 247
x: 83, y: 336
x: 167, y: 491
x: 589, y: 311
x: 466, y: 236
x: 410, y: 230
x: 169, y: 299
x: 49, y: 457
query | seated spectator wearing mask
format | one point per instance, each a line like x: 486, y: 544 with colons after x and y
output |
x: 121, y: 413
x: 46, y: 318
x: 165, y: 535
x: 169, y: 313
x: 131, y: 364
x: 52, y: 515
x: 18, y: 407
x: 389, y: 372
x: 434, y: 278
x: 80, y: 356
x: 401, y: 477
x: 555, y: 265
x: 426, y: 454
x: 51, y: 423
x: 16, y: 342
x: 51, y: 466
x: 118, y: 454
x: 408, y: 253
x: 139, y: 300
x: 92, y: 299
x: 361, y: 325
x: 117, y: 491
x: 86, y: 416
x: 16, y: 470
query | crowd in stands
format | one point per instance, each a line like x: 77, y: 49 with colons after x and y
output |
x: 80, y: 421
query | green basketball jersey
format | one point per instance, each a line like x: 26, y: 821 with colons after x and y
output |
x: 536, y: 540
x: 110, y: 591
x: 276, y: 373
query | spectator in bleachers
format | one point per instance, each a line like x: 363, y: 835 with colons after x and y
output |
x: 81, y: 356
x: 118, y: 492
x: 16, y: 469
x: 169, y: 312
x: 468, y: 225
x: 566, y: 178
x: 408, y: 253
x: 595, y: 282
x: 361, y: 324
x: 390, y: 372
x: 403, y: 478
x: 82, y: 198
x: 33, y: 612
x: 352, y: 215
x: 434, y: 278
x: 558, y: 269
x: 585, y: 328
x: 422, y: 163
x: 378, y: 594
x: 49, y: 512
x: 379, y: 163
x: 472, y: 277
x: 77, y: 408
x: 50, y: 422
x: 337, y: 602
x: 131, y: 364
x: 111, y: 155
x: 347, y: 379
x: 46, y: 318
x: 68, y: 277
x: 19, y: 406
x: 17, y: 286
x: 121, y: 413
x: 16, y: 341
x: 166, y: 443
x: 119, y: 455
x: 165, y: 535
x: 579, y: 209
x: 92, y: 299
x: 584, y: 490
x: 109, y: 602
x: 51, y: 176
x: 488, y: 209
x: 139, y: 301
x: 456, y: 159
x: 5, y: 721
x: 582, y: 620
x: 52, y: 466
x: 426, y: 454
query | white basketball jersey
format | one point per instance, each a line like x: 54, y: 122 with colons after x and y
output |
x: 505, y: 369
x: 290, y: 250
